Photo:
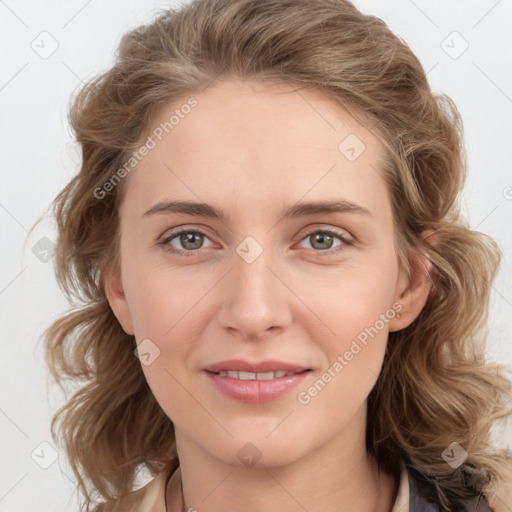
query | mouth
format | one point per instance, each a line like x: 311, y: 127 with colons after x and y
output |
x: 241, y: 375
x: 256, y: 387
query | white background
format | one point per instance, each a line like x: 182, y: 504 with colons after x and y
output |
x: 39, y: 157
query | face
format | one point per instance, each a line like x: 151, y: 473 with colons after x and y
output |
x: 319, y: 287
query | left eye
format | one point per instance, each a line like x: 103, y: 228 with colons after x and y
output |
x: 326, y: 237
x: 191, y: 241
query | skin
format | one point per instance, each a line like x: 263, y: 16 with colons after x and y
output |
x: 252, y: 149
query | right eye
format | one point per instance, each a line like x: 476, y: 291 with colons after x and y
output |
x: 190, y: 239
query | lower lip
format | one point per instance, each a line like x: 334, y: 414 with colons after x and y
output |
x: 256, y: 391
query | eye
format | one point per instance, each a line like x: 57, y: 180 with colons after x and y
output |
x: 322, y: 239
x: 190, y: 240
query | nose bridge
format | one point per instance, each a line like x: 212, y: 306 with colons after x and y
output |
x: 256, y: 299
x: 253, y: 277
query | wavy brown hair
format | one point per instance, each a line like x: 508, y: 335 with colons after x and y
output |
x: 435, y: 387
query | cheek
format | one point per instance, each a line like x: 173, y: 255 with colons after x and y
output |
x: 361, y: 310
x: 164, y: 323
x: 168, y: 318
x: 354, y: 300
x: 160, y: 300
x: 354, y: 353
x: 356, y: 310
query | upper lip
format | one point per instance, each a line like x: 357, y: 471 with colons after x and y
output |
x: 270, y: 365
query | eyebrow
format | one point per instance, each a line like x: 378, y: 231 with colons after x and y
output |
x: 296, y: 210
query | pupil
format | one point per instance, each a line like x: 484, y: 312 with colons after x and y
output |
x: 322, y: 238
x: 189, y: 238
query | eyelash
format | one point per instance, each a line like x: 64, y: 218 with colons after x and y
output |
x: 168, y: 248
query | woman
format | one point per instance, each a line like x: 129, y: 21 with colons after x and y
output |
x: 280, y: 306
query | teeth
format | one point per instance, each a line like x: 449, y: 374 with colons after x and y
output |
x: 255, y: 376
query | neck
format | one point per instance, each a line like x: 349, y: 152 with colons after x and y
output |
x: 383, y: 500
x: 347, y: 481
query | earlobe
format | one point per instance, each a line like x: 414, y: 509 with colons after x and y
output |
x: 117, y: 300
x: 413, y: 291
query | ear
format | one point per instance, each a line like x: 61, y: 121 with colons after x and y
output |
x: 413, y: 288
x: 117, y: 300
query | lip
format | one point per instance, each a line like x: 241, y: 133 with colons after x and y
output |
x: 269, y: 365
x: 256, y: 391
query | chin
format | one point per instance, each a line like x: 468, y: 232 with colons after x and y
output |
x: 261, y: 452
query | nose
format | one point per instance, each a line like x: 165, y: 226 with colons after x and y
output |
x: 255, y: 300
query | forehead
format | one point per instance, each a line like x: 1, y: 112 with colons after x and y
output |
x: 254, y: 140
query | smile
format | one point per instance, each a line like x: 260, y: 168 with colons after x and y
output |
x: 255, y: 387
x: 254, y: 376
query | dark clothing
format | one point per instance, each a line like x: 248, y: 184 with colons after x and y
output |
x: 419, y: 503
